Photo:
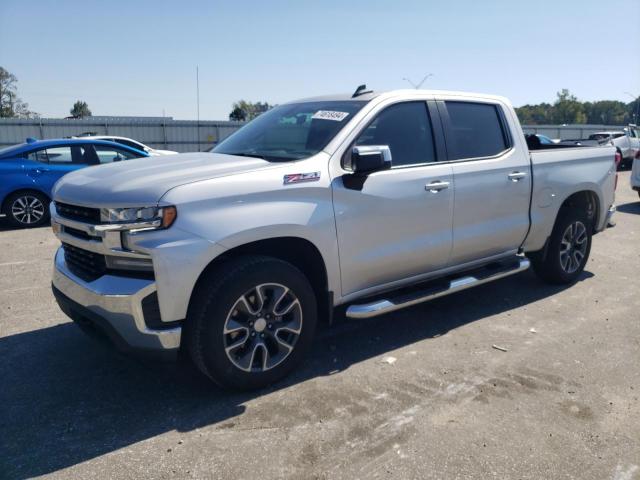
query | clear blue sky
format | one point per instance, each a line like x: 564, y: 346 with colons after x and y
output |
x: 139, y: 57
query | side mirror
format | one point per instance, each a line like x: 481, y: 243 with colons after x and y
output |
x: 370, y: 158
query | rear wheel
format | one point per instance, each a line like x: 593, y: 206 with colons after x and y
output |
x: 568, y: 249
x: 251, y: 322
x: 27, y: 209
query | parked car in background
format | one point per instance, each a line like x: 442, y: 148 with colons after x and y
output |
x: 236, y: 255
x: 129, y: 143
x: 544, y: 140
x: 29, y: 170
x: 626, y: 142
x: 635, y: 174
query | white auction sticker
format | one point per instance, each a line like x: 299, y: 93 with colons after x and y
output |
x: 330, y: 115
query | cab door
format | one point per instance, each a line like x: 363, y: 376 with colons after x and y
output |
x: 492, y: 177
x: 395, y: 224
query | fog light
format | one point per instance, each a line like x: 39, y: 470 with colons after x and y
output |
x: 125, y: 263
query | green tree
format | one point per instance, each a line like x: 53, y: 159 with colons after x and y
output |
x: 567, y: 109
x: 607, y: 112
x: 80, y: 109
x: 10, y: 104
x: 540, y: 114
x: 238, y: 115
x: 633, y: 111
x: 243, y: 110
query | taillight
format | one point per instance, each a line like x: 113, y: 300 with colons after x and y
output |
x: 618, y: 159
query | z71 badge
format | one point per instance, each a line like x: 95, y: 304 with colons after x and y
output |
x: 301, y: 177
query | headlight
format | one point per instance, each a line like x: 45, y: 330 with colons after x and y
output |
x: 147, y: 217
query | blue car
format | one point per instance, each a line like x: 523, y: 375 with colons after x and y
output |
x: 29, y: 170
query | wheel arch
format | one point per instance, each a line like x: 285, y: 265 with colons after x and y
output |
x: 583, y: 198
x: 298, y: 251
x: 587, y: 199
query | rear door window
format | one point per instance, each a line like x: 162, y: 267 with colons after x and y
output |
x: 475, y: 130
x: 62, y: 155
x: 38, y: 156
x: 65, y: 155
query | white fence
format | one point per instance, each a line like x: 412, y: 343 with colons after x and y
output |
x: 189, y: 135
x: 163, y: 133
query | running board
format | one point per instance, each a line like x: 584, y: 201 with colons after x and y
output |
x: 478, y: 277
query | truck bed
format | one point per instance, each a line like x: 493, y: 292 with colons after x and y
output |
x: 557, y: 174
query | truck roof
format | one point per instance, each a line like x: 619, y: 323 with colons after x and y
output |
x: 399, y: 93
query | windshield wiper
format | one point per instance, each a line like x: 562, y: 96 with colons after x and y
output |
x: 243, y: 154
x: 268, y: 158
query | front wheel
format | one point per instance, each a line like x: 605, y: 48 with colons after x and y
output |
x: 251, y: 322
x: 568, y: 249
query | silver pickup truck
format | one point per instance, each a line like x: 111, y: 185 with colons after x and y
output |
x: 372, y: 201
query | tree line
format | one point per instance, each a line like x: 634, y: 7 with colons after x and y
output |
x: 567, y: 109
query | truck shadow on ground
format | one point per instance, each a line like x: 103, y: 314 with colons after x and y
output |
x: 67, y: 399
x: 632, y: 207
x: 5, y: 226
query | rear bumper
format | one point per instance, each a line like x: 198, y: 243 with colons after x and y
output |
x: 610, y: 222
x: 113, y: 305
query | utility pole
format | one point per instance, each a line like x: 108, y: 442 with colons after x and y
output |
x: 198, y: 106
x: 418, y: 85
x: 636, y: 98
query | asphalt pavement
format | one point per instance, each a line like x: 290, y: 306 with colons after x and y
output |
x: 419, y: 393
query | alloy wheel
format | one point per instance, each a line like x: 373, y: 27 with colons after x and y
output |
x: 27, y: 209
x: 262, y: 327
x: 573, y: 247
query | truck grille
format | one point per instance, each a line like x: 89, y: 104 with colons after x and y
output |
x: 81, y: 214
x: 87, y: 265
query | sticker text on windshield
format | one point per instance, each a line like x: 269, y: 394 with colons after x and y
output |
x: 330, y: 115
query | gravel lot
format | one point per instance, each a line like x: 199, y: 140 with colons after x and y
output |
x: 562, y: 402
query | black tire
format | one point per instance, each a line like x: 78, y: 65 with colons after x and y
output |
x: 552, y: 267
x: 27, y: 209
x: 217, y: 298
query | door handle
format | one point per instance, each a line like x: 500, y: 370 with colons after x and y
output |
x: 435, y: 187
x: 516, y: 176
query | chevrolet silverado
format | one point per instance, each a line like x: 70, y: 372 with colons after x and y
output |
x: 371, y: 201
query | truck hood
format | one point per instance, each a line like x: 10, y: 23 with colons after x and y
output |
x: 144, y: 181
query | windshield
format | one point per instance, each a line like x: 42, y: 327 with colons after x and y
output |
x: 292, y: 131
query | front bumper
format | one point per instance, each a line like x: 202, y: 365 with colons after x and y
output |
x: 113, y: 305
